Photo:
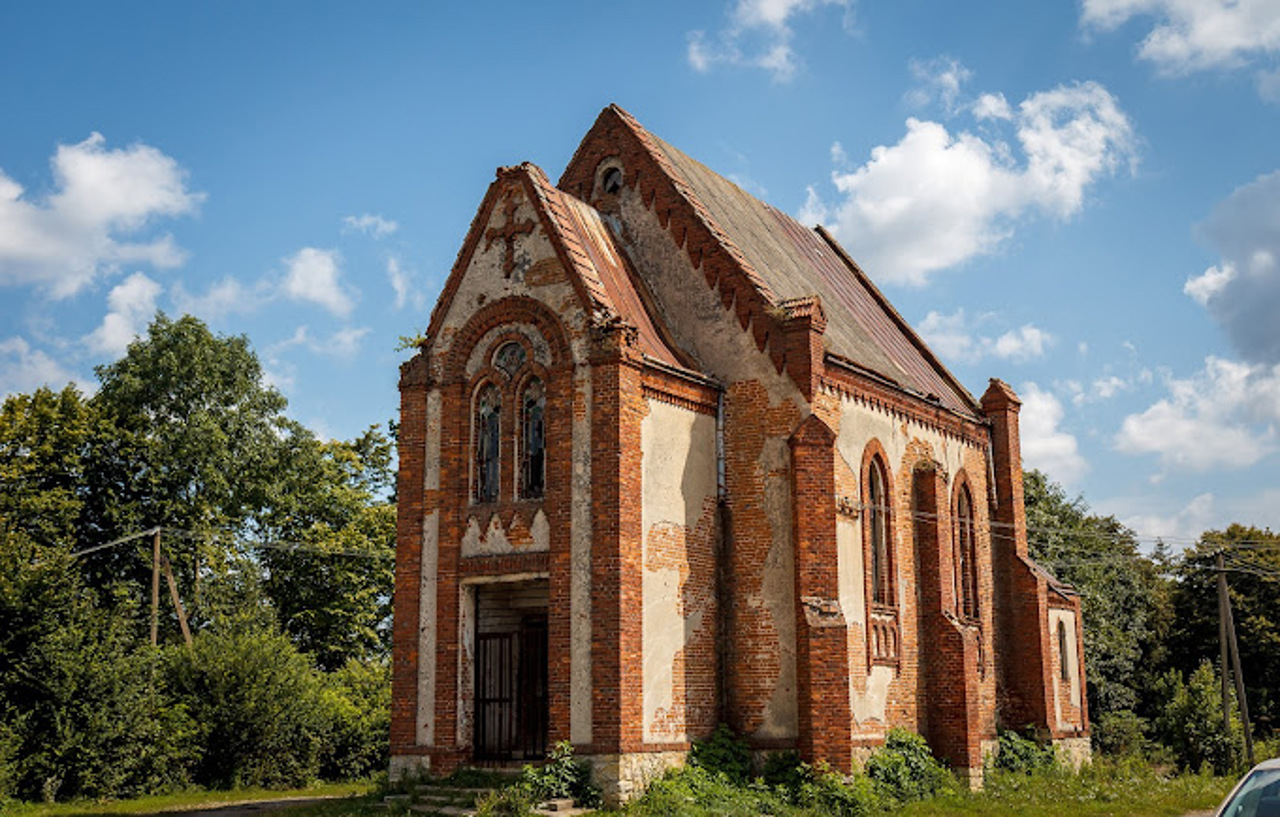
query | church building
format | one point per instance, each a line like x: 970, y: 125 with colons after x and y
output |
x: 669, y: 459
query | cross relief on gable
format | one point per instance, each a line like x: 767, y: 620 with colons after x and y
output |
x: 507, y: 232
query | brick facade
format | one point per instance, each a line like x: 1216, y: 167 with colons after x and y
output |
x: 707, y: 534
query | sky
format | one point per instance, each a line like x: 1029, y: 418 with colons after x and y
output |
x: 1081, y: 198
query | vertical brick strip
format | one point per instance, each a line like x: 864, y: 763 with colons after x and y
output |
x: 822, y: 641
x: 409, y: 512
x: 951, y: 722
x: 617, y: 614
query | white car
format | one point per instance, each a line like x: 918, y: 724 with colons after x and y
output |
x: 1256, y: 795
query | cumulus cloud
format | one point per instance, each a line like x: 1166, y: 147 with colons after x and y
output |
x: 1242, y: 292
x: 408, y: 290
x: 1224, y: 416
x: 314, y: 275
x: 342, y: 344
x: 956, y: 337
x: 758, y: 35
x: 939, y: 79
x: 1197, y: 35
x: 103, y: 201
x: 371, y: 225
x: 24, y: 369
x: 225, y: 297
x: 130, y: 305
x: 937, y: 199
x: 1044, y: 444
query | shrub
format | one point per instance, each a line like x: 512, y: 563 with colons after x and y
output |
x: 260, y: 706
x: 826, y: 792
x: 786, y: 771
x: 357, y: 702
x: 723, y: 753
x: 513, y: 801
x: 1022, y: 755
x: 1190, y: 720
x: 905, y: 769
x: 1122, y: 733
x: 561, y: 776
x: 695, y: 791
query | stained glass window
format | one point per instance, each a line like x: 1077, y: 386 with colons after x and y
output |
x: 878, y: 520
x: 533, y: 444
x: 509, y: 358
x: 487, y: 443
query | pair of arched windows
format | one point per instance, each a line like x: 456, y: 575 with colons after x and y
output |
x: 965, y: 555
x: 530, y: 440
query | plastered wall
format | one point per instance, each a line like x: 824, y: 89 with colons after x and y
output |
x: 679, y: 625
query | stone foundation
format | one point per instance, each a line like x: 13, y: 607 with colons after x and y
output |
x: 1076, y: 751
x: 624, y: 777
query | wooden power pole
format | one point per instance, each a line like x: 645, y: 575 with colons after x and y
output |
x: 1230, y: 645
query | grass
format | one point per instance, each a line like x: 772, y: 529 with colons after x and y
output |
x: 190, y: 800
x: 1123, y: 789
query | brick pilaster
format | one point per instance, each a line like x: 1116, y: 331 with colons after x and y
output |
x: 617, y: 673
x: 822, y: 642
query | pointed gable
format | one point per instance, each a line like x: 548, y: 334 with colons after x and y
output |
x: 585, y: 249
x: 763, y: 260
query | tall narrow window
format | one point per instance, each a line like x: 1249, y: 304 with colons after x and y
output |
x: 966, y: 556
x: 1064, y: 669
x: 878, y: 519
x: 533, y: 444
x: 488, y: 434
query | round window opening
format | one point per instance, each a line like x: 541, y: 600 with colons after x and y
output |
x: 612, y: 181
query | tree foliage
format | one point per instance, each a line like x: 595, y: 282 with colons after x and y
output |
x: 282, y: 546
x: 1124, y: 596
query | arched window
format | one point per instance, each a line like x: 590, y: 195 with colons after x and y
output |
x: 966, y: 555
x: 1064, y: 669
x: 488, y: 428
x: 878, y: 522
x: 533, y: 440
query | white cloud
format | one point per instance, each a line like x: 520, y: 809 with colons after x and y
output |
x: 371, y: 225
x: 313, y: 275
x: 955, y: 336
x: 937, y: 79
x: 1242, y: 292
x: 992, y: 106
x: 1177, y: 522
x: 23, y: 369
x: 1223, y: 417
x: 758, y: 35
x: 408, y: 290
x: 102, y: 198
x: 226, y: 297
x: 343, y: 344
x: 1044, y: 445
x: 936, y: 199
x: 130, y: 305
x: 1197, y: 35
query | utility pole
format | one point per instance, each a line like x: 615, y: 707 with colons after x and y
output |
x: 155, y: 588
x: 1230, y: 645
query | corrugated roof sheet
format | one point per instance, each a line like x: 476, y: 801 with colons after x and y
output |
x: 795, y: 262
x: 600, y: 265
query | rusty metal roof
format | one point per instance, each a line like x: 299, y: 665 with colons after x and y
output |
x: 795, y: 262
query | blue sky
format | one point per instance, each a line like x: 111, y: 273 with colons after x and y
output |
x: 1082, y: 198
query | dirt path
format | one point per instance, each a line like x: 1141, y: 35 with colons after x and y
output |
x: 246, y: 808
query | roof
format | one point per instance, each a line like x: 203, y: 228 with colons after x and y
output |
x: 794, y: 262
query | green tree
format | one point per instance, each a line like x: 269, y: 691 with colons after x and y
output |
x: 45, y: 439
x: 1252, y: 556
x: 1124, y: 596
x: 333, y: 595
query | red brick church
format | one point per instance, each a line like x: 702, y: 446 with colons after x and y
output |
x: 669, y: 459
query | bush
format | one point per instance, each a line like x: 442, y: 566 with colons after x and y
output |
x: 1022, y: 755
x: 260, y: 706
x: 561, y: 776
x: 1190, y: 721
x: 695, y: 791
x: 357, y: 701
x: 905, y: 769
x: 829, y: 793
x: 723, y: 753
x: 1120, y: 734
